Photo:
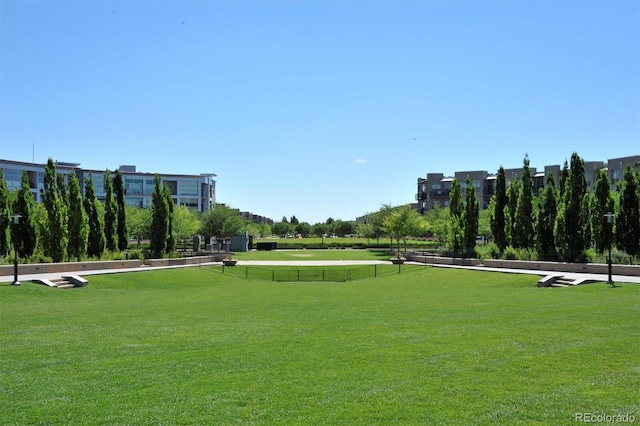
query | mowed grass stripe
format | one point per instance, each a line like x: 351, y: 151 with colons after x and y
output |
x: 193, y: 346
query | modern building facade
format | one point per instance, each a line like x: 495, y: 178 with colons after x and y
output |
x: 196, y: 192
x: 436, y: 187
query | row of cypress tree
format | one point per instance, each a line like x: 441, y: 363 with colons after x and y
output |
x: 562, y: 222
x: 68, y: 226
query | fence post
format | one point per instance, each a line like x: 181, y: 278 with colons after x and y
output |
x: 323, y: 275
x: 348, y: 274
x: 375, y: 271
x: 223, y: 268
x: 273, y: 275
x: 246, y: 272
x: 298, y: 275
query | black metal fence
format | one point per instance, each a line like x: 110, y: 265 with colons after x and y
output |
x: 316, y: 273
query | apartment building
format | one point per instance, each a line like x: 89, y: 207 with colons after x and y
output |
x: 196, y: 192
x: 436, y: 187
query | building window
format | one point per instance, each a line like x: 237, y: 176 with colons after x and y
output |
x: 98, y: 182
x: 190, y: 203
x: 13, y: 177
x: 616, y: 175
x: 435, y: 185
x: 133, y: 186
x: 149, y: 186
x: 188, y: 187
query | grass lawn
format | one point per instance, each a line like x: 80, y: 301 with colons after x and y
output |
x: 433, y: 346
x: 327, y: 254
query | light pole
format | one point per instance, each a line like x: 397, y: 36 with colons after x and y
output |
x: 609, y: 217
x: 16, y: 221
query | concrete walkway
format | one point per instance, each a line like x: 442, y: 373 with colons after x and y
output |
x: 575, y: 276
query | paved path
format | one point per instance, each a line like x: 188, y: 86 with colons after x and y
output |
x: 597, y: 277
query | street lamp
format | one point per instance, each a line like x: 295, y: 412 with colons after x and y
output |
x: 16, y: 221
x: 609, y: 217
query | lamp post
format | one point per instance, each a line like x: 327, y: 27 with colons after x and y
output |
x: 609, y: 217
x: 16, y: 221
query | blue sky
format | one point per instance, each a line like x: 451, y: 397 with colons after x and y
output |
x: 318, y: 108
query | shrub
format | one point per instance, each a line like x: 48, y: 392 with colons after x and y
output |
x: 488, y: 251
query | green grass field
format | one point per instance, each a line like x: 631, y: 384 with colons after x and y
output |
x: 433, y: 346
x: 329, y: 254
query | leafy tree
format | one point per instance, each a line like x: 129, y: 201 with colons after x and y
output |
x: 523, y: 236
x: 110, y: 214
x: 546, y: 218
x: 470, y: 219
x: 456, y: 208
x: 222, y: 222
x: 498, y: 205
x: 78, y: 224
x: 56, y: 237
x: 402, y: 223
x: 574, y: 228
x: 602, y: 202
x: 95, y: 240
x: 24, y: 234
x: 282, y: 228
x: 121, y: 216
x: 628, y: 218
x: 5, y: 217
x: 171, y: 240
x: 342, y: 228
x: 484, y: 224
x: 375, y: 221
x: 304, y: 229
x: 139, y: 223
x: 438, y: 222
x: 319, y: 229
x: 185, y: 223
x: 294, y: 220
x: 159, y: 219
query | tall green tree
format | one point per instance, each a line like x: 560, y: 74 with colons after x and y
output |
x: 523, y: 236
x: 110, y: 214
x: 574, y: 239
x: 456, y: 208
x: 470, y: 219
x: 546, y: 219
x: 627, y: 234
x: 564, y: 176
x: 5, y: 217
x: 159, y: 218
x: 511, y: 210
x: 78, y: 224
x: 171, y: 239
x: 121, y: 215
x: 95, y: 239
x: 498, y: 205
x: 24, y: 235
x: 602, y: 202
x: 57, y: 237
